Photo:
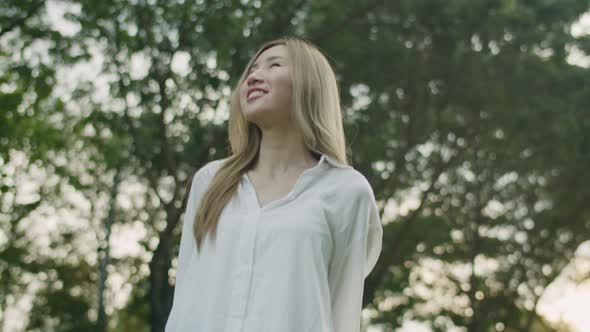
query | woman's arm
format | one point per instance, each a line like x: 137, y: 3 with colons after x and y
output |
x: 357, y: 247
x: 187, y: 240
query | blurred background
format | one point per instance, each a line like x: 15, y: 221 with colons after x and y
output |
x: 470, y: 118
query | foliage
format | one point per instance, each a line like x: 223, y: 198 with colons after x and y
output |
x: 469, y: 108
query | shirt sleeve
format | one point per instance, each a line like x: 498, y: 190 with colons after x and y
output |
x: 357, y: 247
x: 187, y: 240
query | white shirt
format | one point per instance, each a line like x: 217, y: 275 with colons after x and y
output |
x: 297, y: 264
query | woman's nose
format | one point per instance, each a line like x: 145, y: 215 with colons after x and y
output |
x: 252, y: 79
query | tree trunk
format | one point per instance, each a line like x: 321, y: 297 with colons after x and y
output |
x: 160, y: 292
x: 101, y: 321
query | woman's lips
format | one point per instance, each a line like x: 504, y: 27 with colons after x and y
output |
x: 256, y: 96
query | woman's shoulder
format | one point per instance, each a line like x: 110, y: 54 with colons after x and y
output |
x: 214, y: 165
x: 211, y: 167
x: 348, y: 181
x: 206, y: 172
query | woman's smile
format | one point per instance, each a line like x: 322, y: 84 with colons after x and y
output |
x: 255, y: 95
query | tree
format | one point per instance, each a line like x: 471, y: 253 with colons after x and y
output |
x: 469, y: 107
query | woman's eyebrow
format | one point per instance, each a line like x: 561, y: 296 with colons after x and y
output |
x: 270, y: 58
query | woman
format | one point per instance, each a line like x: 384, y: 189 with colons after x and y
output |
x: 279, y: 236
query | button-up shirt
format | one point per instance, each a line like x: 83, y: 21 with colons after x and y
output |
x: 296, y: 264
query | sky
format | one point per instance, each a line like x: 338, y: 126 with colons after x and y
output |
x: 562, y: 299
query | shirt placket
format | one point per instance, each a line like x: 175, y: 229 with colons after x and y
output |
x: 242, y: 275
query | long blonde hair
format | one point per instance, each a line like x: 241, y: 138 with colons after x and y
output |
x: 316, y: 114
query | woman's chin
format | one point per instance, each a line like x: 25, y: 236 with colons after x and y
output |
x: 253, y: 114
x: 252, y: 111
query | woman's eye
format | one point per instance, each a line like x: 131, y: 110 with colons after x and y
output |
x: 275, y: 64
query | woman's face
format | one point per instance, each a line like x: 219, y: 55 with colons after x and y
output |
x: 271, y: 75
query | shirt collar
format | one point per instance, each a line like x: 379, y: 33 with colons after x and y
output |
x: 331, y: 161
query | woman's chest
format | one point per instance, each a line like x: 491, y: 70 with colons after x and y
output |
x: 268, y: 190
x: 291, y: 224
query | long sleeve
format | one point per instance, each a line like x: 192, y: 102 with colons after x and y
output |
x: 187, y: 240
x: 357, y: 247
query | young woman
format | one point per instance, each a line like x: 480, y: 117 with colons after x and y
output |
x: 280, y: 235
